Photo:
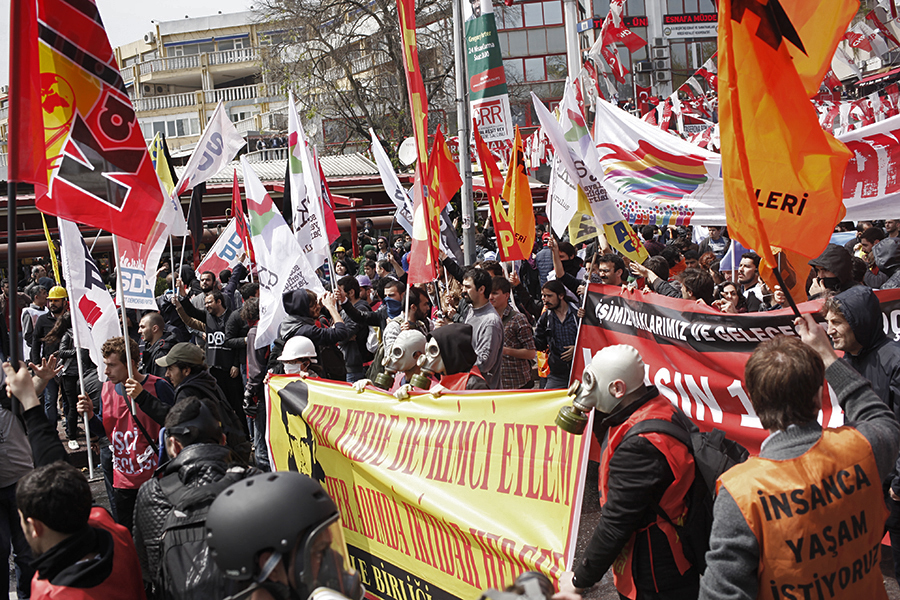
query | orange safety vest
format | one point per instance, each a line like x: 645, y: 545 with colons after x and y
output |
x: 673, y: 500
x: 818, y: 519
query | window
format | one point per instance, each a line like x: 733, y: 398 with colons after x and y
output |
x: 515, y: 73
x: 226, y: 45
x: 707, y: 6
x: 509, y: 17
x: 556, y: 39
x: 635, y: 8
x: 534, y: 69
x: 206, y: 47
x: 553, y: 13
x: 533, y: 15
x: 537, y: 42
x: 556, y: 67
x: 518, y: 43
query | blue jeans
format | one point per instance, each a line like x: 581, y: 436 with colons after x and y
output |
x: 260, y: 450
x: 51, y: 397
x: 11, y: 535
x: 556, y: 382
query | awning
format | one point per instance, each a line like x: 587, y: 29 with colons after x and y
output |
x: 878, y: 77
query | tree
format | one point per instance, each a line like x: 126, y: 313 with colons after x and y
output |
x: 343, y: 59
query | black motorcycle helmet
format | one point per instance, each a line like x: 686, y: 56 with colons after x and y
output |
x: 270, y: 511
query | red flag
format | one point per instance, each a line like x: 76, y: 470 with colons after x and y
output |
x: 882, y: 27
x: 418, y: 100
x: 240, y: 218
x: 592, y: 73
x: 426, y: 233
x: 443, y: 178
x: 70, y: 104
x: 623, y: 35
x: 612, y: 59
x: 493, y: 186
x: 331, y: 226
x: 27, y: 161
x: 642, y: 97
x: 857, y: 40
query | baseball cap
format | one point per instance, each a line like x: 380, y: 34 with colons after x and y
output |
x: 364, y: 281
x: 183, y: 352
x: 545, y: 237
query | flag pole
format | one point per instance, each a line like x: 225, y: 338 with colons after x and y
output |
x: 172, y: 263
x: 125, y: 337
x: 94, y: 243
x: 13, y: 276
x: 87, y: 428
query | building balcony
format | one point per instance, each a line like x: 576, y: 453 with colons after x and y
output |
x: 4, y: 113
x: 193, y: 99
x: 176, y: 65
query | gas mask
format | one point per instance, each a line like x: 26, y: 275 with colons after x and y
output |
x: 431, y: 362
x: 407, y: 348
x: 595, y: 390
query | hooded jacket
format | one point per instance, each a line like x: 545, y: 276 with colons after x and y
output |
x: 887, y: 259
x: 837, y: 260
x: 879, y: 359
x: 457, y: 352
x: 300, y: 322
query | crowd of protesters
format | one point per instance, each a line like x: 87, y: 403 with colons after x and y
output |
x: 182, y: 405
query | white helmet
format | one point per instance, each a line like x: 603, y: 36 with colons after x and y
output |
x: 298, y: 347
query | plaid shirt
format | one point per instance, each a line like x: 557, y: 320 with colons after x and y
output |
x: 515, y: 373
x: 553, y: 335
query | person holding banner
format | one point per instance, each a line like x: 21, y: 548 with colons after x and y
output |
x: 807, y: 516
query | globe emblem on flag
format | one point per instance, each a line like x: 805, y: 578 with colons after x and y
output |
x: 57, y: 100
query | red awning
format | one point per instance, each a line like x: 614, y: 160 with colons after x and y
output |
x: 878, y: 77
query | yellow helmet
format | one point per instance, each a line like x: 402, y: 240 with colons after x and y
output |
x: 57, y: 292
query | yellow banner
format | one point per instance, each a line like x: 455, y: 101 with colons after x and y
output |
x: 440, y: 497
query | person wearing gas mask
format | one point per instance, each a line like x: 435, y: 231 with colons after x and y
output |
x: 636, y: 474
x: 281, y: 532
x: 401, y: 367
x: 449, y: 353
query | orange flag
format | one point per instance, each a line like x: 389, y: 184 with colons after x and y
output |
x: 782, y: 173
x: 493, y: 185
x: 443, y: 177
x: 517, y: 194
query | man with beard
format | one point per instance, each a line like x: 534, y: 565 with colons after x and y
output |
x: 487, y: 328
x: 556, y: 333
x: 157, y: 343
x: 133, y: 434
x: 57, y: 300
x: 751, y: 285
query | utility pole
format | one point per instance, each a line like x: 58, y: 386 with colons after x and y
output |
x: 464, y: 125
x: 573, y: 48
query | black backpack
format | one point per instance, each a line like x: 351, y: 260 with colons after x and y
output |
x: 713, y: 454
x: 187, y: 569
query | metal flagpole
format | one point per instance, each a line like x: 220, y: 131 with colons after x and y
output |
x: 13, y: 276
x: 125, y: 337
x: 171, y: 263
x: 87, y: 428
x: 94, y: 243
x: 464, y: 125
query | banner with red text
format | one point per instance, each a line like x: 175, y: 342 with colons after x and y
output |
x: 440, y: 497
x: 695, y: 354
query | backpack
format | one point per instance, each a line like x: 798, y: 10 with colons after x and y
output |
x: 713, y: 454
x: 187, y: 569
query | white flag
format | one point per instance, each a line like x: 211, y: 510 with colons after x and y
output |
x: 216, y: 148
x: 572, y: 142
x: 273, y: 242
x: 392, y: 185
x: 306, y: 190
x: 226, y: 253
x: 562, y: 197
x: 93, y: 311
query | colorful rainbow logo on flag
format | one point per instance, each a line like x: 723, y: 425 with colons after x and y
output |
x: 652, y: 171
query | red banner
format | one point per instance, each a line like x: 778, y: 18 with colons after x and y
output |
x: 695, y: 355
x: 418, y: 100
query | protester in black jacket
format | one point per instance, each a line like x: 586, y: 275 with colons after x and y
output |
x: 222, y: 360
x: 201, y: 462
x: 157, y: 343
x: 303, y: 310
